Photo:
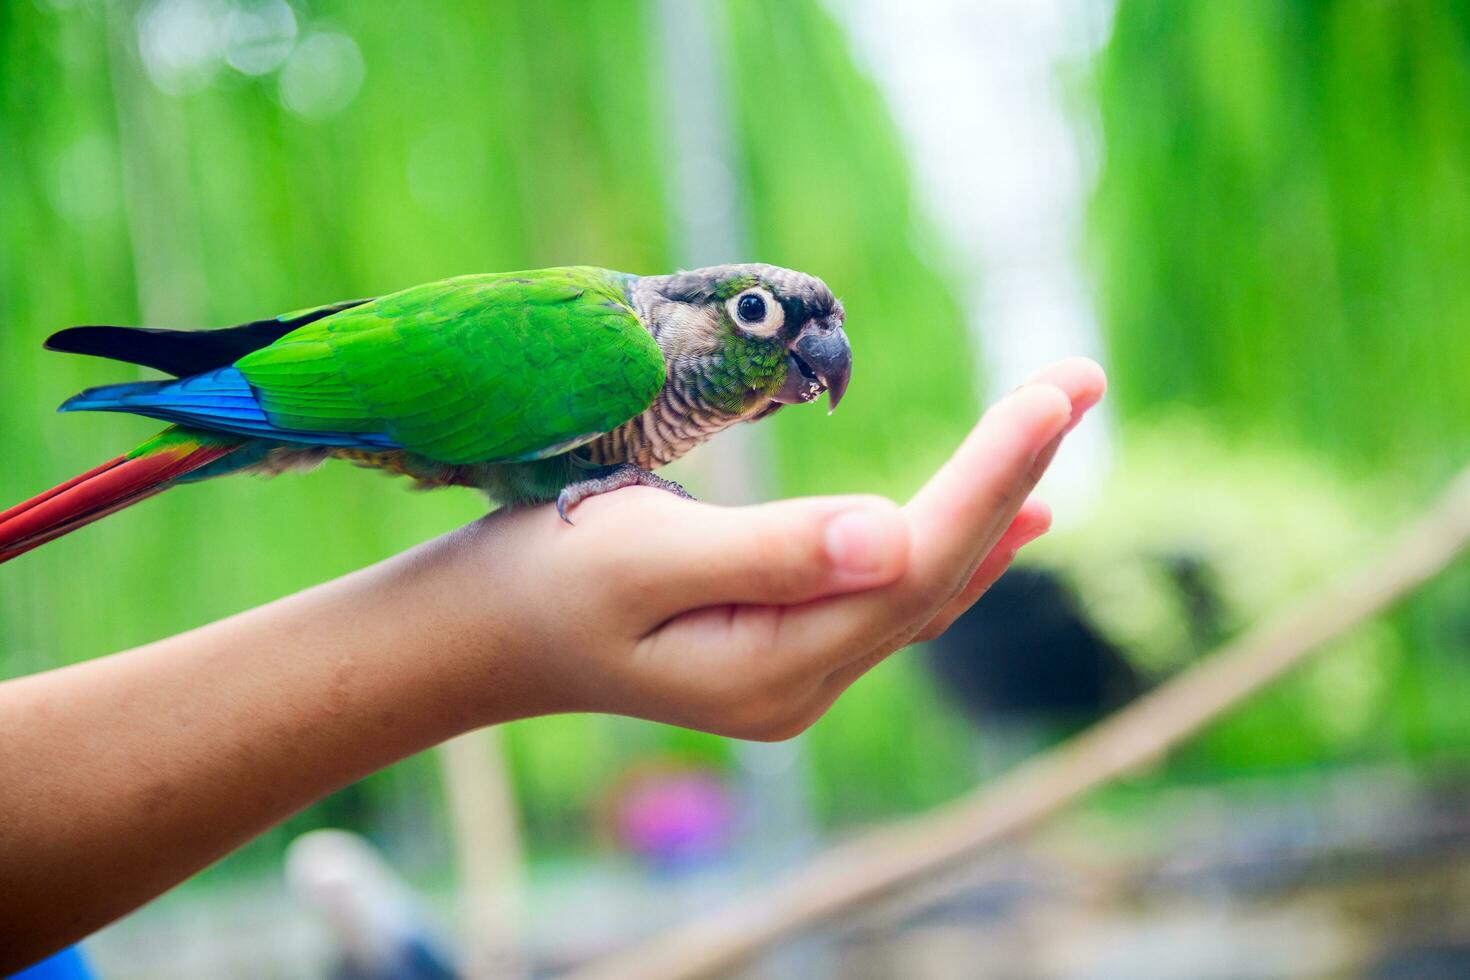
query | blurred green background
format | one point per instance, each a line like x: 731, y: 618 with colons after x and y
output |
x: 1277, y: 239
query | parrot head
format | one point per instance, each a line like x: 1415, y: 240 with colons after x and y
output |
x: 748, y: 338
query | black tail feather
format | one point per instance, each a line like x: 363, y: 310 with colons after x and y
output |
x: 184, y: 352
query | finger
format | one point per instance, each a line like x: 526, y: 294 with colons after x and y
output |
x: 958, y: 515
x: 787, y: 552
x: 1084, y: 382
x: 1081, y: 378
x: 1031, y: 523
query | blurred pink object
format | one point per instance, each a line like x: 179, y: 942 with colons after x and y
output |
x: 674, y: 816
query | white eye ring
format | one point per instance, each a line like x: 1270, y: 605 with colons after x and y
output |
x: 770, y: 320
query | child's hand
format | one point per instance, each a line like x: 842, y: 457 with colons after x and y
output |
x: 748, y: 621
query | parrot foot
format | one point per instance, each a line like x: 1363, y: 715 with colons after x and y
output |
x: 610, y: 479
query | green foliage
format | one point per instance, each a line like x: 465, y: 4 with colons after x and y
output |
x: 1283, y: 220
x: 1198, y: 537
x: 1281, y: 230
x: 1195, y: 536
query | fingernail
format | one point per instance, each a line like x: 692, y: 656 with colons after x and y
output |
x: 860, y: 542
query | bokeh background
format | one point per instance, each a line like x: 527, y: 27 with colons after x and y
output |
x: 1257, y: 214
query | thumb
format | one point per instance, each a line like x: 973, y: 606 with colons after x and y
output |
x: 782, y: 553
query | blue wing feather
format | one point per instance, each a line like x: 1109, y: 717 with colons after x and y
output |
x: 221, y: 400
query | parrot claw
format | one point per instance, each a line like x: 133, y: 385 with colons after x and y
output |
x: 610, y: 479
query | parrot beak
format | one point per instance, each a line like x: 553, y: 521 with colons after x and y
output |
x: 819, y: 360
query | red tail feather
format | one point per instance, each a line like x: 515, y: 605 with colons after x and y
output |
x: 102, y: 491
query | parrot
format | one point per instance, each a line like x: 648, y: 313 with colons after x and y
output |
x: 551, y: 385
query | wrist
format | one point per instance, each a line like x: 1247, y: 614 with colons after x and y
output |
x: 449, y: 623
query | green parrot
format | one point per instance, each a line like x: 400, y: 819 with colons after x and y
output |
x: 548, y: 385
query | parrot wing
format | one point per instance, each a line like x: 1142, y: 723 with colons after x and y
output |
x: 479, y: 368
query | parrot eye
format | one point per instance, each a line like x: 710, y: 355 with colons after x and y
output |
x: 757, y: 312
x: 752, y: 308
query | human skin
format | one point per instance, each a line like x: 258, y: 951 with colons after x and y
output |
x: 121, y: 776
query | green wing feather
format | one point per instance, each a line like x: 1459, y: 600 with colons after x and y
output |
x: 479, y: 368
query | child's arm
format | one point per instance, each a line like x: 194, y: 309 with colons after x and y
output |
x: 121, y: 776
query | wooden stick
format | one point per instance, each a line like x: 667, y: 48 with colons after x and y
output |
x: 482, y: 809
x: 879, y: 863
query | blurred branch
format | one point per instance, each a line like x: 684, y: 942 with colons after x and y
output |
x: 487, y: 840
x: 882, y: 862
